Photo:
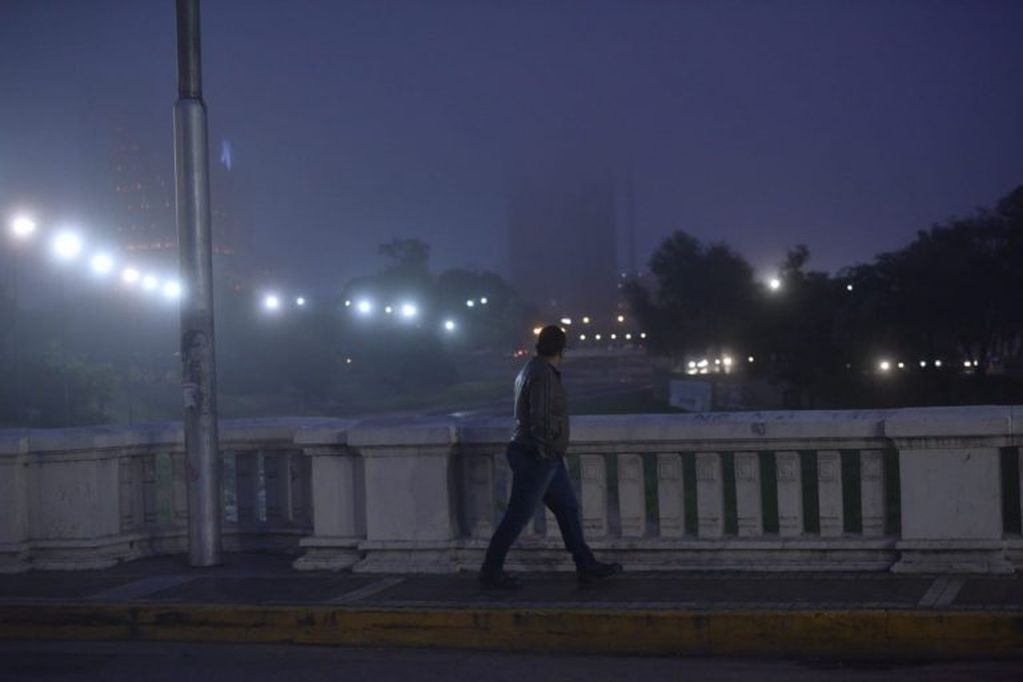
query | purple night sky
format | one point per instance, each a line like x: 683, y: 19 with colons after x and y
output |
x: 846, y: 126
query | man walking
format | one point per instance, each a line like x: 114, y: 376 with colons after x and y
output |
x: 536, y: 455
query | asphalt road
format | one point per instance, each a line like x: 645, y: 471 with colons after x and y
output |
x: 159, y: 661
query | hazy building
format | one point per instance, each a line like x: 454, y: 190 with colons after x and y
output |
x: 562, y: 241
x: 145, y: 221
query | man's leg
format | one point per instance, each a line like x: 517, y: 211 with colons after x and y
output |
x: 561, y: 499
x: 530, y: 478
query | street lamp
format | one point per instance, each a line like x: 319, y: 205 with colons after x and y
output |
x: 22, y: 227
x: 271, y: 302
x: 101, y: 264
x: 67, y: 245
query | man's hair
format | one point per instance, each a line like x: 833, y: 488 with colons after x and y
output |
x: 551, y: 342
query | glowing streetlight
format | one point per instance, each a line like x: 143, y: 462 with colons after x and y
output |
x: 22, y: 227
x: 101, y: 264
x: 272, y: 302
x: 130, y: 276
x: 67, y: 245
x: 171, y: 290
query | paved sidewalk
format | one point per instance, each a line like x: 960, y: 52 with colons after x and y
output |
x: 256, y: 597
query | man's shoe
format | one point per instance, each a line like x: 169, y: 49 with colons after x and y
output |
x: 499, y: 580
x: 597, y: 571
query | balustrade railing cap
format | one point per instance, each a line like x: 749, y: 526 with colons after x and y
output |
x: 403, y: 432
x: 106, y: 437
x: 267, y: 430
x: 13, y: 443
x: 945, y: 422
x: 738, y: 427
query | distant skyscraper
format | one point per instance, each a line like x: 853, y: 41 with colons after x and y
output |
x: 146, y: 220
x: 562, y: 242
x: 144, y: 204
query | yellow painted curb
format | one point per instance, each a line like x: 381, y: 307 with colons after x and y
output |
x: 861, y: 633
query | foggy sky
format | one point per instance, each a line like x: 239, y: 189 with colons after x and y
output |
x: 846, y: 126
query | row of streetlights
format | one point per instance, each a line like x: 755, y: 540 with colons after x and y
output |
x: 68, y: 245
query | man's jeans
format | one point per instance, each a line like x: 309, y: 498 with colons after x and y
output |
x: 536, y: 479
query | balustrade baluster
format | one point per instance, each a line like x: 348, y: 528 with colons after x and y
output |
x: 829, y: 493
x: 274, y: 478
x: 631, y: 495
x: 748, y: 504
x: 670, y: 495
x: 246, y: 471
x: 593, y: 475
x: 179, y: 489
x: 710, y: 499
x: 790, y: 494
x: 149, y: 513
x: 872, y: 492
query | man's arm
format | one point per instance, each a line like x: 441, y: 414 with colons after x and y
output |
x: 540, y: 422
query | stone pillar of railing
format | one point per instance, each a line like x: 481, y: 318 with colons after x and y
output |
x: 338, y: 500
x: 710, y: 500
x: 75, y: 504
x: 14, y: 496
x: 670, y: 495
x: 951, y: 493
x: 749, y: 514
x: 411, y: 508
x: 631, y: 495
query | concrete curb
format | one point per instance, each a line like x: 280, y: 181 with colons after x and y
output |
x: 839, y: 634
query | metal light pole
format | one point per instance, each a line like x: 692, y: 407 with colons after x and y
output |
x: 191, y: 163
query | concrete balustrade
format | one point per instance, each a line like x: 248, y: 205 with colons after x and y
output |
x: 916, y: 490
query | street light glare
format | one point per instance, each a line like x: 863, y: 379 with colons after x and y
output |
x: 22, y: 227
x: 102, y: 263
x: 67, y: 245
x: 171, y: 290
